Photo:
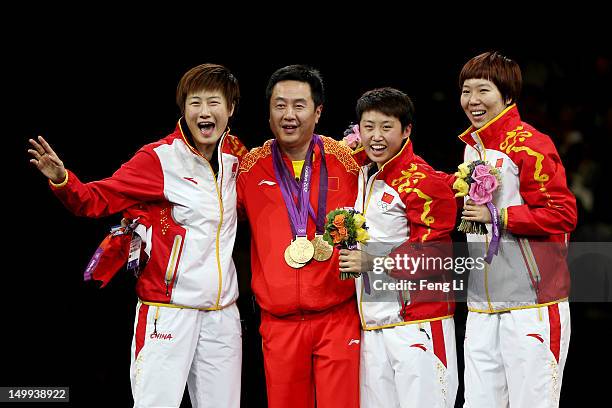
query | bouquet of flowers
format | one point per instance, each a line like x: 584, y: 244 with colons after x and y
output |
x: 478, y: 180
x: 352, y: 137
x: 344, y: 228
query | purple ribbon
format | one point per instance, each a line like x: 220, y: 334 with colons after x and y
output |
x: 494, y: 245
x: 93, y: 263
x: 322, y: 204
x: 366, y: 282
x: 298, y: 215
x: 319, y: 218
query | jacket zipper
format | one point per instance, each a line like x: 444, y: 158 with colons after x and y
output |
x: 486, y: 274
x: 365, y: 201
x: 363, y: 210
x: 220, y: 198
x: 297, y: 285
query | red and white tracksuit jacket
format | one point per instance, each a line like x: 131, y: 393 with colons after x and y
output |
x: 190, y: 218
x: 538, y: 212
x: 410, y: 212
x: 405, y: 203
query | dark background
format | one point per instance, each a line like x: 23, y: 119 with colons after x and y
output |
x: 98, y: 98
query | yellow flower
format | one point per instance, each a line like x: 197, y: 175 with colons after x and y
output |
x: 359, y: 220
x: 464, y: 171
x: 461, y: 187
x: 362, y: 235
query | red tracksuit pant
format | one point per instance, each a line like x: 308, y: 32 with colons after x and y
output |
x: 312, y: 357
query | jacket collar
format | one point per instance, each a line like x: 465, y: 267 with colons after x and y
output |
x: 316, y: 155
x: 406, y: 154
x: 182, y: 130
x: 495, y: 129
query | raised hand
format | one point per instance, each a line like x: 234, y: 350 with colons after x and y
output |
x: 47, y: 161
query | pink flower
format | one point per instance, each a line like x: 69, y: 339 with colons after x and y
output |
x: 482, y: 175
x: 479, y: 171
x: 483, y: 186
x: 353, y: 140
x: 479, y: 194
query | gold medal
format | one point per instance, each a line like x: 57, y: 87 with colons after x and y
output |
x: 301, y: 250
x: 322, y: 250
x: 290, y: 261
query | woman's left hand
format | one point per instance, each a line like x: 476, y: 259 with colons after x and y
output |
x: 352, y: 260
x: 474, y: 212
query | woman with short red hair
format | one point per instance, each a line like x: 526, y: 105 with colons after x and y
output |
x: 518, y: 327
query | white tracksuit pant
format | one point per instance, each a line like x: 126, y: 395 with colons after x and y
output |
x: 410, y: 366
x: 200, y: 348
x: 515, y: 359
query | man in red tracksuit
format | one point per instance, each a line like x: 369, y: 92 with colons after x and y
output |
x: 310, y: 325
